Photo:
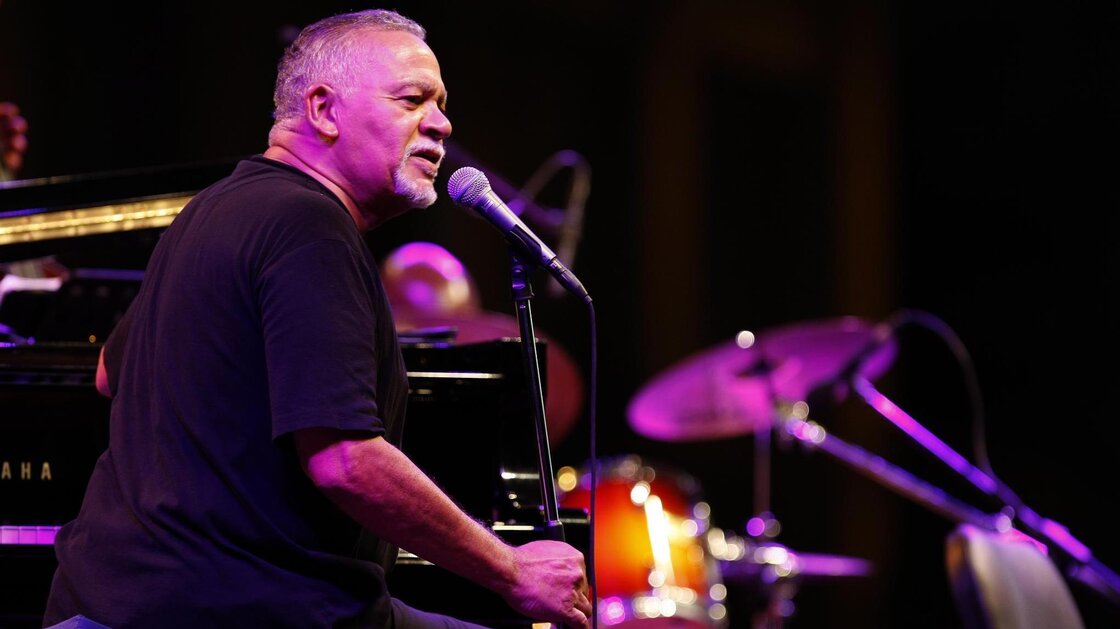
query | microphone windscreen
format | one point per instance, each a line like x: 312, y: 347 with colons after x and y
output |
x: 467, y: 185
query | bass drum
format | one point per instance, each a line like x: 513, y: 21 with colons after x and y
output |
x: 653, y: 567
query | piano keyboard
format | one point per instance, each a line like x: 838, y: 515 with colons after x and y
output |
x: 28, y: 535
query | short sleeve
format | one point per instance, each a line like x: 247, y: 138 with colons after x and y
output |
x: 318, y: 322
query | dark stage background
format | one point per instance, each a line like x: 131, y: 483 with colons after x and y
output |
x: 754, y: 165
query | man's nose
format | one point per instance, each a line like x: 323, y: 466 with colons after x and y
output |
x: 436, y: 124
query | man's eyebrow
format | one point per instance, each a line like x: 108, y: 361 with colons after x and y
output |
x: 426, y: 87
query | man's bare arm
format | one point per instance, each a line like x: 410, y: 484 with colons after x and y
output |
x: 380, y: 487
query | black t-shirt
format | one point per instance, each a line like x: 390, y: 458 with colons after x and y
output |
x: 261, y: 313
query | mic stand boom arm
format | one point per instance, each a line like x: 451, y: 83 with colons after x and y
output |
x: 520, y: 270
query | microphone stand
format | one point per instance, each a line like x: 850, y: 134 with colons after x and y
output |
x: 1087, y: 569
x: 520, y: 270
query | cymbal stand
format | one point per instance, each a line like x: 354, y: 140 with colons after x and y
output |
x: 763, y: 526
x: 1085, y: 567
x: 520, y: 270
x: 795, y: 423
x: 762, y: 523
x: 762, y: 467
x: 792, y: 422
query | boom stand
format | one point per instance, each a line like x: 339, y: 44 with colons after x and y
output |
x: 522, y: 293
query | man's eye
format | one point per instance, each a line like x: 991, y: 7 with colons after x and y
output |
x: 414, y: 100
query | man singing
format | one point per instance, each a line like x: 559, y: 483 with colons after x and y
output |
x: 259, y: 391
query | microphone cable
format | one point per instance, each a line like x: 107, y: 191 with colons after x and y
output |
x: 944, y: 331
x: 592, y: 395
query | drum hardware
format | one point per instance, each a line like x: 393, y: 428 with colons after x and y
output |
x: 767, y: 575
x: 732, y: 390
x: 1016, y: 517
x: 753, y: 385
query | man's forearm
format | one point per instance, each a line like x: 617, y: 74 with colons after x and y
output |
x: 378, y: 486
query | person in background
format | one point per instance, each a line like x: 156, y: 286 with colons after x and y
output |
x: 13, y: 140
x: 259, y: 390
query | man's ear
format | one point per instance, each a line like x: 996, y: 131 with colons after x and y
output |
x: 321, y: 109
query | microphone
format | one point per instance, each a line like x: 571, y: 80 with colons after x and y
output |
x: 469, y: 188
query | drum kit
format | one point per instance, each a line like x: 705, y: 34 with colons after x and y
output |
x: 660, y: 562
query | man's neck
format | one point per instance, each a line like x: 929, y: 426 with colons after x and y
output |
x: 291, y: 158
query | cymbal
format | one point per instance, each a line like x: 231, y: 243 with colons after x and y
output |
x: 732, y: 389
x: 563, y: 383
x: 806, y: 355
x: 704, y: 397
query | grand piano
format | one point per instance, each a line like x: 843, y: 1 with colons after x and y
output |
x: 87, y: 238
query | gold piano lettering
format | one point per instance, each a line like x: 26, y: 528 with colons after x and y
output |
x: 25, y: 470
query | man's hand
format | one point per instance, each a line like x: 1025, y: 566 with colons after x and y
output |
x: 13, y: 138
x: 551, y: 584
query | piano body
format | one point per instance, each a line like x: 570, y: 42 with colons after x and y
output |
x: 53, y: 425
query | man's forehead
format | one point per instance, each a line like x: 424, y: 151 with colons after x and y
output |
x: 400, y: 57
x: 395, y: 48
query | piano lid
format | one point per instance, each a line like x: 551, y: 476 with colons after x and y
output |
x: 36, y: 214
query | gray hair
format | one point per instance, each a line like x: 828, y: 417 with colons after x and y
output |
x: 322, y: 53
